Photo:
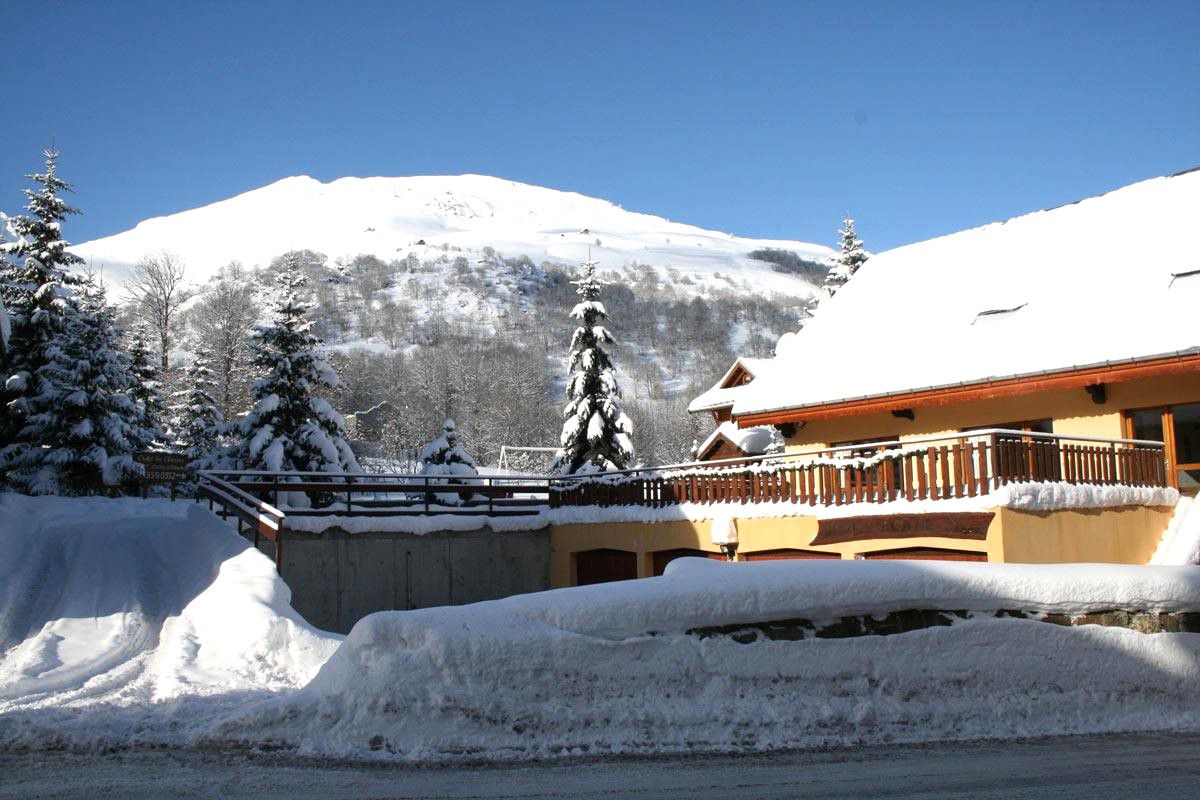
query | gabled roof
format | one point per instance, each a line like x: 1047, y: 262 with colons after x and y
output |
x: 723, y: 392
x: 751, y: 441
x: 1106, y: 281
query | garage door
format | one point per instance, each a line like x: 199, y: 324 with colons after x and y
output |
x: 602, y: 566
x: 927, y: 554
x: 786, y: 553
x: 661, y: 558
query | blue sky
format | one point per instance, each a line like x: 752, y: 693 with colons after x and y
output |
x: 758, y: 118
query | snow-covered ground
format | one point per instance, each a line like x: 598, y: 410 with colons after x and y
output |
x: 122, y: 614
x: 430, y: 216
x: 148, y: 623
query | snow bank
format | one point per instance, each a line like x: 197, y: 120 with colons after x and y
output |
x: 611, y: 669
x: 1181, y: 541
x: 114, y: 611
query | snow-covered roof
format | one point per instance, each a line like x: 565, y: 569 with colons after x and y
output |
x: 722, y: 394
x: 1109, y: 279
x: 751, y: 441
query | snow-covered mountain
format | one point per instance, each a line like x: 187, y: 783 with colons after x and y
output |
x: 433, y: 215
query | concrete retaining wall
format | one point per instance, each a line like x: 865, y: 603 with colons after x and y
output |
x: 338, y: 578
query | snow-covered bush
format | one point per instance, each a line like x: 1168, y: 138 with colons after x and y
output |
x: 444, y: 456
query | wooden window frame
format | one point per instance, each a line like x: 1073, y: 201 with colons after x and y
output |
x: 1168, y: 428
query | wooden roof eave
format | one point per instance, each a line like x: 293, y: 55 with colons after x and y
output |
x: 1178, y: 364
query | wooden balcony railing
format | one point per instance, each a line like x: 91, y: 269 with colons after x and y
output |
x: 930, y: 468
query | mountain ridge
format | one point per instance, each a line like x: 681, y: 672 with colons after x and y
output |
x: 393, y: 217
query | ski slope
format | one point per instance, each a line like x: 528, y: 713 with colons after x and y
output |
x: 431, y: 216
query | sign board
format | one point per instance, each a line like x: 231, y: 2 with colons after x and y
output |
x: 163, y: 467
x: 973, y: 525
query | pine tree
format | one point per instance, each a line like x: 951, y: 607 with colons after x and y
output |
x: 289, y: 427
x: 445, y: 456
x: 196, y: 419
x: 35, y: 286
x: 79, y: 425
x: 596, y: 433
x: 147, y: 392
x: 847, y: 262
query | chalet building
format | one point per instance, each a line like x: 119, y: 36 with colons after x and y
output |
x: 1077, y: 321
x: 1024, y: 391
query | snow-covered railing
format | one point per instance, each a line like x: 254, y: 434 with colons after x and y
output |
x: 968, y: 464
x: 380, y: 494
x: 229, y: 500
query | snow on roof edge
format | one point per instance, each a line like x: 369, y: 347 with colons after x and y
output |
x: 963, y: 384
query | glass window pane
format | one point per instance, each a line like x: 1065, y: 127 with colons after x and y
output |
x: 1187, y: 433
x: 1147, y: 424
x: 1041, y: 426
x: 1189, y: 480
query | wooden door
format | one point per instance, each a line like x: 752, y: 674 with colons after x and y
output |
x: 661, y: 558
x: 603, y: 566
x: 926, y: 554
x: 785, y: 554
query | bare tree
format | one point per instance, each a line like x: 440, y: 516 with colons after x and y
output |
x: 222, y: 321
x: 157, y: 290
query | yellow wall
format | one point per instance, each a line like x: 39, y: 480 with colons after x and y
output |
x: 1072, y: 411
x: 1112, y: 535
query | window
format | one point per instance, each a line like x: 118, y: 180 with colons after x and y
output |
x: 1178, y: 428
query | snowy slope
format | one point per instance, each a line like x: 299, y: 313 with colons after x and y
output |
x: 1109, y: 278
x: 132, y: 602
x: 388, y: 217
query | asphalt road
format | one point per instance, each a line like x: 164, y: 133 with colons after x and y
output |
x: 1142, y: 766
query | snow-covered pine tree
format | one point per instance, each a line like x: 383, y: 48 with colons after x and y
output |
x: 446, y: 456
x: 80, y: 426
x: 147, y: 392
x: 289, y: 427
x: 196, y: 419
x: 596, y: 433
x: 34, y: 284
x: 843, y: 266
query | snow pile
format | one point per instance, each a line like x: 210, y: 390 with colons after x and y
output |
x: 1181, y: 541
x: 996, y: 300
x: 611, y: 668
x: 113, y: 612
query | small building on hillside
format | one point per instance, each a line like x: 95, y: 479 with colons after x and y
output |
x: 1026, y: 391
x: 728, y: 440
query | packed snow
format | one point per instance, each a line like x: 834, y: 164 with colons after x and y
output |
x: 611, y: 668
x: 1032, y: 294
x: 433, y: 215
x: 1181, y: 541
x: 147, y: 623
x: 117, y: 615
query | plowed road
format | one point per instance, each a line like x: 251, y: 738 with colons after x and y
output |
x: 1144, y: 767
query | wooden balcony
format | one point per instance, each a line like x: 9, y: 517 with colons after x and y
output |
x: 931, y: 468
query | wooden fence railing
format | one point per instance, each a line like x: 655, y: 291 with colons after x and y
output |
x: 926, y: 469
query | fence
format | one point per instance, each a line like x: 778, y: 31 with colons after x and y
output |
x: 929, y: 468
